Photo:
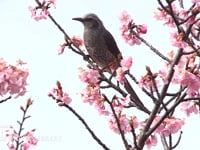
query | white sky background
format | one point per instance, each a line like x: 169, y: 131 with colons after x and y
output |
x: 37, y: 44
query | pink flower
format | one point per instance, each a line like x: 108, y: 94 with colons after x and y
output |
x: 142, y: 29
x: 41, y: 12
x: 189, y: 107
x: 101, y: 107
x: 25, y: 146
x: 125, y: 100
x: 174, y: 124
x: 12, y: 79
x: 130, y: 39
x: 134, y: 121
x: 90, y: 76
x: 169, y: 126
x: 11, y: 134
x: 53, y: 2
x: 177, y: 40
x: 77, y: 41
x: 58, y: 94
x: 21, y: 62
x: 127, y: 24
x: 29, y: 140
x: 151, y: 141
x: 125, y: 17
x: 61, y: 49
x: 32, y: 11
x: 162, y: 15
x: 126, y: 63
x: 119, y: 103
x: 26, y: 141
x: 38, y: 15
x: 192, y: 82
x: 147, y: 82
x: 11, y: 146
x: 197, y: 2
x: 66, y: 99
x: 124, y: 123
x: 120, y: 74
x: 91, y: 94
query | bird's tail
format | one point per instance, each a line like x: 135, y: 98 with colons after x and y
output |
x: 134, y: 98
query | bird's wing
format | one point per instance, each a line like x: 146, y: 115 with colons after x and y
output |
x: 111, y: 45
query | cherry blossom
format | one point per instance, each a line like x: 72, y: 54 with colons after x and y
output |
x: 142, y: 29
x: 129, y: 28
x: 191, y: 82
x: 125, y: 17
x: 41, y: 12
x: 151, y: 141
x: 126, y: 63
x: 77, y: 41
x: 58, y: 94
x: 189, y: 107
x: 38, y: 16
x: 162, y: 15
x: 120, y: 74
x: 28, y: 140
x: 169, y: 126
x: 12, y: 79
x: 61, y: 49
x: 90, y: 76
x: 91, y: 94
x: 119, y: 103
x: 197, y: 2
x: 134, y: 121
x: 177, y: 40
x: 124, y: 124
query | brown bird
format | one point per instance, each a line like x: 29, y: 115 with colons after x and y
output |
x: 103, y: 50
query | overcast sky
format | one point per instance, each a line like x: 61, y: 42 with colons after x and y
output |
x: 37, y: 42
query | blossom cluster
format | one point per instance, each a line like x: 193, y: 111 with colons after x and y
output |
x: 129, y: 28
x: 186, y: 72
x: 125, y: 65
x: 184, y: 19
x: 125, y: 123
x: 41, y: 12
x: 76, y: 40
x: 91, y: 93
x: 28, y: 140
x: 58, y: 94
x: 13, y: 79
x: 170, y: 125
x: 180, y: 14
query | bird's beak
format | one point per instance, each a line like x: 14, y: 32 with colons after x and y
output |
x: 78, y: 19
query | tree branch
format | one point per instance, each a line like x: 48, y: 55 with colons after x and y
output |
x: 87, y: 127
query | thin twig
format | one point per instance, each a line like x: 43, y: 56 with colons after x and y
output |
x: 156, y: 51
x: 165, y: 115
x: 21, y: 123
x: 144, y: 136
x: 4, y: 100
x: 118, y: 123
x: 178, y: 141
x: 134, y: 137
x: 87, y: 127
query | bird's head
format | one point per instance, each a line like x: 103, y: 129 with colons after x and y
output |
x: 90, y: 21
